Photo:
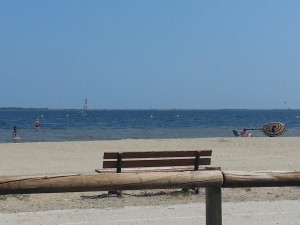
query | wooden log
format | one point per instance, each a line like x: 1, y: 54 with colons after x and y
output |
x: 260, y: 179
x: 109, y: 181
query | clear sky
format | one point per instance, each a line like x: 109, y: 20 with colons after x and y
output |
x: 142, y: 54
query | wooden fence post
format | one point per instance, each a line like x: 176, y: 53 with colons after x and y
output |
x: 213, y: 198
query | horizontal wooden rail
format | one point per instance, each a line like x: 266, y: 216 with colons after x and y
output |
x: 147, y: 180
x: 212, y: 180
x: 110, y: 181
x: 234, y: 179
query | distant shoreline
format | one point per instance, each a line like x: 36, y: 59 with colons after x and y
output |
x: 21, y: 109
x: 50, y: 109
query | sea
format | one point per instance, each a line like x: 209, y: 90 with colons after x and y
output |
x: 91, y: 125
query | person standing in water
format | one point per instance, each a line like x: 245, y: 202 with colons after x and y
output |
x: 37, y: 124
x: 14, y: 133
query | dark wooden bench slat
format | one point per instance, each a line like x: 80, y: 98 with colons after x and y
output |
x: 164, y: 154
x: 148, y: 169
x: 156, y: 163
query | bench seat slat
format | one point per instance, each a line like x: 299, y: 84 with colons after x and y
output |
x: 163, y: 154
x: 156, y: 163
x: 145, y: 169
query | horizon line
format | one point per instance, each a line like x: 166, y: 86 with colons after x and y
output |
x: 131, y: 109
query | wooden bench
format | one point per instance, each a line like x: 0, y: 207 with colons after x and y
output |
x: 155, y: 161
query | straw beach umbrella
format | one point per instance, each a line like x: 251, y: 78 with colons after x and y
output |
x: 272, y: 129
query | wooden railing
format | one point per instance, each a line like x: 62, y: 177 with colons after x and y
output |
x: 213, y: 179
x: 240, y: 179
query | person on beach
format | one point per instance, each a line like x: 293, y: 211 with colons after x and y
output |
x: 37, y: 124
x: 14, y: 133
x: 245, y: 133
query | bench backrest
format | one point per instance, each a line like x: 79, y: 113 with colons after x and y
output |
x: 121, y: 160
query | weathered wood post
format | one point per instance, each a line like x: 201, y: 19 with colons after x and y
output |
x: 213, y: 198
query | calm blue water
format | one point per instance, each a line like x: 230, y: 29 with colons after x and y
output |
x: 72, y: 125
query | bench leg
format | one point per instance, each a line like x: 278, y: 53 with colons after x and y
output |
x: 118, y: 193
x: 187, y: 189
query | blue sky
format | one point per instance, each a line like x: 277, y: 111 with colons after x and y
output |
x: 141, y: 54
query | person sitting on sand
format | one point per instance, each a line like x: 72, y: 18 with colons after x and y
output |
x: 244, y: 133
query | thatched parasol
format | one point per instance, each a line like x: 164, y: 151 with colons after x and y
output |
x: 272, y: 129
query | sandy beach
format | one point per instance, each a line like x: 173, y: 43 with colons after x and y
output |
x: 242, y: 154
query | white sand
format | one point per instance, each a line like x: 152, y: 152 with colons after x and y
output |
x: 244, y: 154
x: 282, y: 153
